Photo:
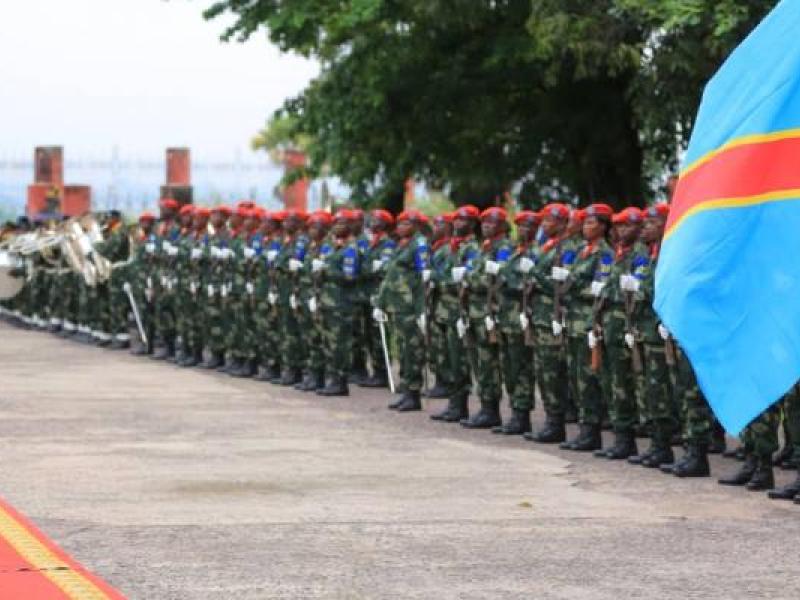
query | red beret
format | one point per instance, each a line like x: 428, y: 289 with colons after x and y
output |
x: 248, y: 204
x: 658, y: 210
x: 412, y: 215
x: 556, y: 209
x: 343, y: 214
x: 527, y: 216
x: 294, y: 212
x: 187, y: 209
x: 494, y: 212
x: 467, y: 212
x: 225, y: 210
x: 578, y: 215
x: 446, y: 217
x: 275, y: 215
x: 146, y: 216
x: 628, y: 215
x: 202, y: 211
x: 243, y: 211
x: 257, y: 212
x: 357, y: 213
x: 382, y: 215
x: 169, y: 204
x: 599, y: 210
x: 320, y: 216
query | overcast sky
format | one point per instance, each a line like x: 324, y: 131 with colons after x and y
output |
x: 140, y: 74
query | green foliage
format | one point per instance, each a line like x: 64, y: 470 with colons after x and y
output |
x: 573, y: 99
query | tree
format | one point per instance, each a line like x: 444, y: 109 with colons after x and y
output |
x: 573, y: 99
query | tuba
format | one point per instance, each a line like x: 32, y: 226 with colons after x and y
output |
x: 102, y: 265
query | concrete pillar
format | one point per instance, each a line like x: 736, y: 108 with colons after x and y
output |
x: 179, y: 176
x: 295, y: 196
x: 48, y: 165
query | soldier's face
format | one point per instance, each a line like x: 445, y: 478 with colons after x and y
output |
x: 490, y: 227
x: 526, y: 230
x: 270, y: 226
x: 250, y: 223
x: 653, y: 229
x: 341, y: 228
x: 627, y: 232
x: 200, y: 223
x: 316, y: 230
x: 217, y: 219
x: 236, y: 221
x: 441, y: 229
x: 167, y: 214
x: 186, y: 220
x: 593, y: 228
x: 405, y: 228
x: 553, y: 226
x: 291, y: 224
x: 574, y: 226
x: 147, y: 227
x: 462, y: 225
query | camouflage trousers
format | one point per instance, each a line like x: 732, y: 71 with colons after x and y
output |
x: 696, y: 412
x: 550, y: 370
x: 361, y: 336
x: 438, y: 361
x: 311, y: 324
x: 459, y: 366
x: 622, y: 405
x: 337, y: 333
x: 410, y: 350
x: 237, y: 311
x: 164, y: 315
x: 585, y: 383
x: 517, y: 361
x: 119, y: 307
x: 187, y: 326
x: 657, y: 405
x: 215, y: 325
x: 487, y: 363
x: 791, y: 420
x: 760, y: 437
x: 267, y: 333
x: 292, y: 348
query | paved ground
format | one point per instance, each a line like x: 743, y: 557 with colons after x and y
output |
x: 185, y: 484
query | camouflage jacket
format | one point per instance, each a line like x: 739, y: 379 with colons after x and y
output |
x: 402, y: 290
x: 512, y: 286
x: 292, y: 248
x: 458, y: 252
x: 635, y: 262
x: 592, y: 265
x: 484, y: 289
x: 337, y: 286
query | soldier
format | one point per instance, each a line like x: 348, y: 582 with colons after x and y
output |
x: 116, y: 249
x: 588, y: 276
x: 287, y: 265
x: 167, y: 235
x: 456, y: 259
x: 195, y: 262
x: 791, y: 414
x: 656, y: 403
x: 436, y: 342
x: 401, y: 298
x: 309, y: 313
x: 267, y: 320
x: 514, y: 325
x: 377, y: 256
x: 548, y: 323
x: 180, y: 275
x: 361, y: 340
x: 484, y: 301
x: 620, y: 295
x: 235, y: 294
x: 337, y: 270
x: 140, y: 280
x: 215, y: 278
x: 760, y: 441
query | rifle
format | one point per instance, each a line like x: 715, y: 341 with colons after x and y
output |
x: 597, y: 329
x: 636, y: 355
x: 527, y: 310
x: 463, y: 306
x: 492, y: 306
x: 670, y: 353
x: 559, y: 312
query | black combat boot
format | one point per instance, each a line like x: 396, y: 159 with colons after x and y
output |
x: 488, y: 416
x: 291, y: 376
x: 734, y: 453
x: 337, y: 386
x: 624, y: 446
x: 233, y: 367
x: 587, y: 440
x: 693, y: 464
x: 301, y: 386
x: 396, y: 402
x: 263, y: 373
x: 378, y: 380
x: 783, y: 459
x: 319, y: 381
x: 439, y: 416
x: 410, y: 402
x: 553, y: 432
x: 518, y: 424
x: 658, y: 455
x: 160, y: 350
x: 788, y: 492
x: 458, y: 409
x: 358, y: 375
x: 743, y: 475
x: 763, y: 477
x: 118, y: 344
x: 439, y: 390
x: 214, y: 360
x: 638, y: 459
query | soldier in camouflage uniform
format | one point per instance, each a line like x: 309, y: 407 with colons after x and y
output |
x: 791, y: 414
x: 309, y: 313
x: 167, y: 236
x: 267, y: 321
x: 484, y: 302
x: 361, y: 331
x: 656, y: 399
x: 436, y: 342
x: 548, y: 327
x: 215, y: 279
x: 457, y: 259
x: 588, y: 275
x: 116, y: 249
x: 179, y: 278
x: 401, y: 297
x: 516, y: 349
x: 623, y: 291
x: 760, y: 441
x: 139, y: 277
x: 376, y: 257
x: 193, y: 260
x: 337, y: 269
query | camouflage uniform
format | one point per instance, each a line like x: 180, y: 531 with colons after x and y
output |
x: 116, y: 249
x: 375, y: 259
x: 215, y: 280
x: 293, y: 351
x: 310, y: 316
x: 436, y: 343
x: 164, y: 290
x: 362, y: 318
x: 266, y: 320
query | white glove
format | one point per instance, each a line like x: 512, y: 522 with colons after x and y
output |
x: 426, y: 275
x: 461, y: 328
x: 172, y: 250
x: 317, y: 265
x: 630, y: 340
x: 559, y: 274
x: 377, y: 265
x: 663, y: 332
x: 524, y: 321
x: 214, y: 252
x: 628, y: 283
x: 422, y: 323
x: 251, y: 289
x: 293, y: 302
x: 272, y: 298
x: 597, y: 288
x: 149, y: 283
x: 227, y: 253
x: 166, y: 246
x: 272, y: 255
x: 295, y: 265
x: 126, y: 287
x: 489, y: 322
x: 148, y: 293
x: 192, y: 288
x: 210, y: 290
x: 558, y: 328
x: 163, y: 281
x: 458, y: 273
x: 492, y: 267
x: 150, y: 248
x: 592, y: 340
x: 197, y: 254
x: 526, y: 264
x: 223, y: 291
x: 249, y: 253
x: 312, y: 304
x: 379, y: 315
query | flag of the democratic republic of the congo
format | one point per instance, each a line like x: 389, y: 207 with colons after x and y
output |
x: 728, y: 277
